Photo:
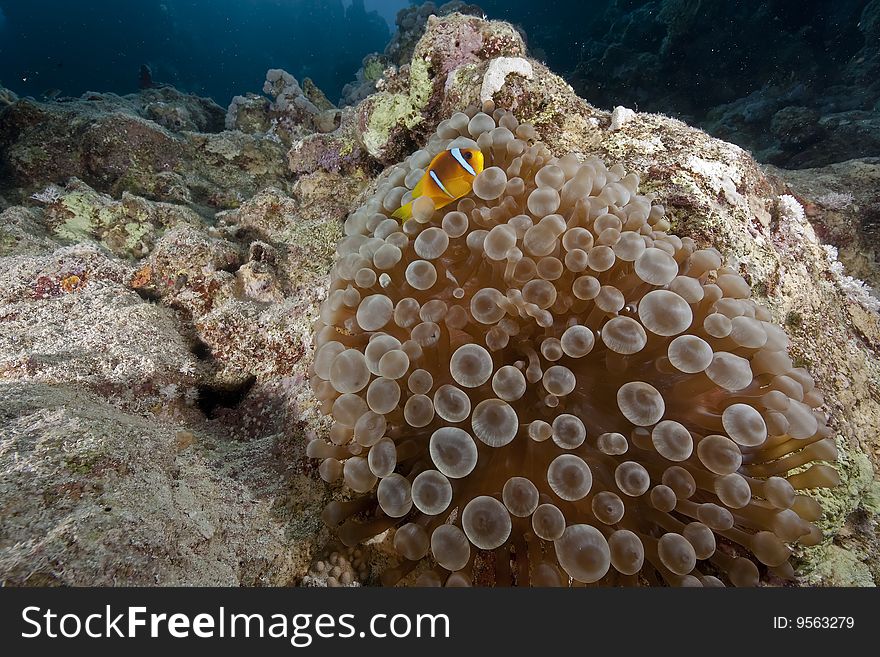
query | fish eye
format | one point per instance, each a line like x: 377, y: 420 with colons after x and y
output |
x: 467, y: 156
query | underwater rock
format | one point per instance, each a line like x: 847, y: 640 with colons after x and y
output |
x: 371, y: 71
x: 288, y: 114
x: 411, y: 22
x: 51, y: 142
x: 796, y: 135
x: 7, y: 96
x: 128, y: 227
x: 249, y: 114
x: 316, y: 96
x: 411, y: 101
x: 22, y: 231
x: 239, y: 284
x: 292, y: 108
x: 174, y: 392
x: 97, y: 496
x: 222, y: 170
x: 668, y: 56
x: 84, y: 325
x: 190, y: 269
x: 845, y: 136
x: 328, y: 196
x: 796, y: 127
x: 178, y: 111
x: 842, y: 203
x: 341, y: 151
x: 862, y: 71
x: 665, y: 55
x: 106, y: 141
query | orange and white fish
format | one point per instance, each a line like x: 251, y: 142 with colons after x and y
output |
x: 449, y: 176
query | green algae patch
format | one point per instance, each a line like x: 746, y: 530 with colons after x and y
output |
x: 856, y: 484
x: 128, y: 227
x: 832, y: 565
x: 837, y: 561
x: 420, y: 83
x: 373, y: 69
x: 84, y: 216
x: 390, y: 111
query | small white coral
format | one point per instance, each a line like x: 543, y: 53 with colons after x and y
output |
x: 52, y: 194
x: 169, y: 392
x: 190, y: 396
x: 790, y: 209
x: 499, y: 69
x: 835, y: 200
x: 621, y: 116
x: 791, y: 212
x: 856, y: 290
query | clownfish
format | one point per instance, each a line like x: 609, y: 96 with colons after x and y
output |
x: 449, y: 176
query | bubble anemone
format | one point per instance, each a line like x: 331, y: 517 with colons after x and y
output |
x: 539, y: 385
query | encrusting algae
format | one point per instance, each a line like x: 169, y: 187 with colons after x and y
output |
x: 543, y: 384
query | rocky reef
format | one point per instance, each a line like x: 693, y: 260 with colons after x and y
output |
x: 162, y: 263
x: 794, y: 82
x: 411, y: 24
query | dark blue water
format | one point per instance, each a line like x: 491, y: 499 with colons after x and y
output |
x: 215, y: 48
x: 220, y: 48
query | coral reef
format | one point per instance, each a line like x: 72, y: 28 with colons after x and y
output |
x: 407, y: 108
x: 368, y: 75
x: 160, y: 335
x: 499, y: 69
x: 806, y: 97
x: 113, y: 145
x: 411, y: 23
x: 157, y: 311
x: 288, y: 114
x: 97, y: 496
x: 128, y: 227
x: 842, y: 202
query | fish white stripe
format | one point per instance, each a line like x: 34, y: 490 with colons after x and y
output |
x: 456, y: 153
x: 440, y: 184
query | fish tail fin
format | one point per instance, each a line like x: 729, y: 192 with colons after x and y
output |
x: 403, y: 213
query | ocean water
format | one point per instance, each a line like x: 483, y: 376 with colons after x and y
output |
x: 217, y: 49
x: 220, y: 48
x: 795, y: 81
